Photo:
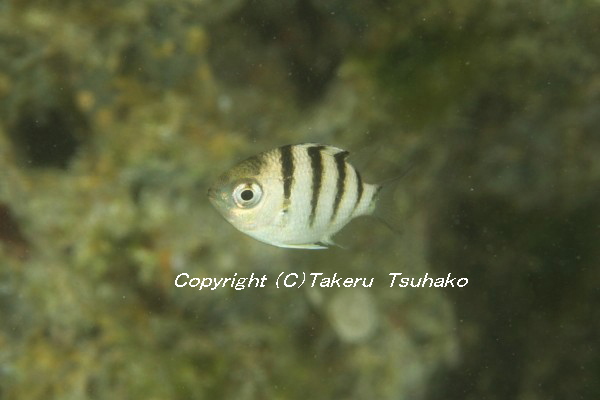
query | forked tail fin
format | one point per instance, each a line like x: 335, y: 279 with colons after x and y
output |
x: 390, y: 207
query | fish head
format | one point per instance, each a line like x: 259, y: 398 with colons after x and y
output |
x: 244, y: 196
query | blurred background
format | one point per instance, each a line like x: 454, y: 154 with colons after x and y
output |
x: 116, y: 116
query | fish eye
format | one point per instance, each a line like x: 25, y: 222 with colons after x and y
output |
x: 247, y: 195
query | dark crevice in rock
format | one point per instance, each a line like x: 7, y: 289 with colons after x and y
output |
x: 307, y: 42
x: 11, y: 233
x: 46, y: 134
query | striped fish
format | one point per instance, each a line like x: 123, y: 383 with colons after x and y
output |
x: 295, y: 196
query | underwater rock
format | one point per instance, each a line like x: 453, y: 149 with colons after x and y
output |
x: 353, y: 315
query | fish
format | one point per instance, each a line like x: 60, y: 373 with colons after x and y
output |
x: 295, y: 196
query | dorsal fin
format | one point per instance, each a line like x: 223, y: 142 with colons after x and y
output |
x: 327, y: 149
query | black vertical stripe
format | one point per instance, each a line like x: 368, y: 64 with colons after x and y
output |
x: 287, y: 171
x: 359, y: 189
x: 340, y: 162
x: 316, y: 164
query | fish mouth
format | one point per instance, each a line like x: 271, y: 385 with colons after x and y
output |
x: 211, y: 193
x: 217, y: 198
x: 214, y: 198
x: 215, y: 195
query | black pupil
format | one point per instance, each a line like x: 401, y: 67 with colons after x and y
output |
x: 247, y: 195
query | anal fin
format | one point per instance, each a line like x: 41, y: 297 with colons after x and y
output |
x: 308, y: 246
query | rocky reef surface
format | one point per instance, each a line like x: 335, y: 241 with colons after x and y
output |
x: 116, y: 116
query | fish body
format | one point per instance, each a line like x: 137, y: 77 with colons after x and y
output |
x: 294, y: 196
